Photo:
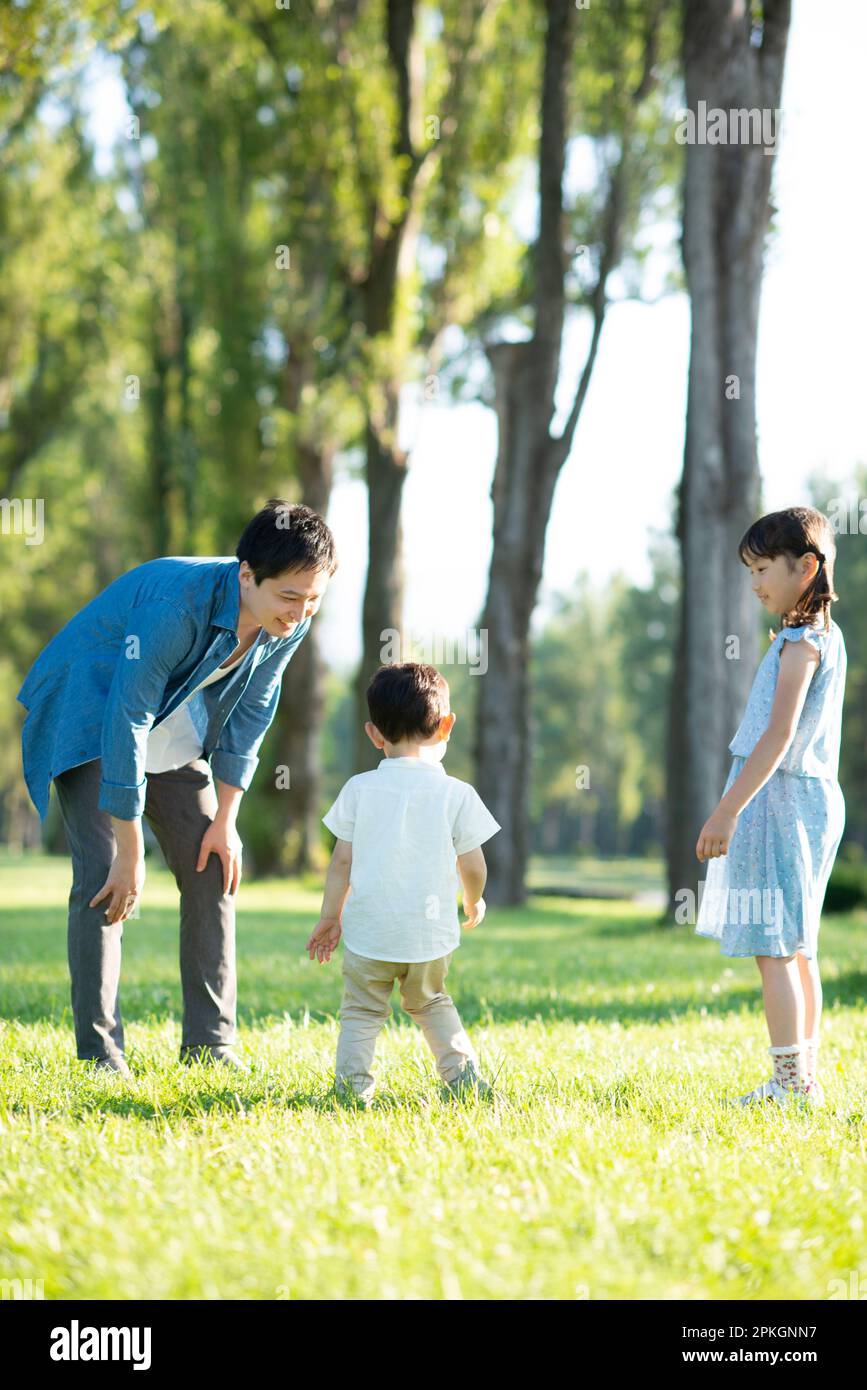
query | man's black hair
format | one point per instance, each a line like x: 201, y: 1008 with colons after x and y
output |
x: 286, y: 536
x: 407, y: 701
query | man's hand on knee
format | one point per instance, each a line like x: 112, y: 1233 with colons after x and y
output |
x: 222, y: 838
x: 123, y: 887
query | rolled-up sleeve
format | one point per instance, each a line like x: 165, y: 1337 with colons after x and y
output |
x: 234, y: 760
x: 158, y: 637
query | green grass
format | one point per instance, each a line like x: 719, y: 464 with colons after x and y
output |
x: 608, y: 1168
x: 614, y: 876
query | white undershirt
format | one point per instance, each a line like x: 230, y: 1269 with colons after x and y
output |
x: 176, y: 742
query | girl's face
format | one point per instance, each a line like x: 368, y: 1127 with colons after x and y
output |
x: 778, y: 587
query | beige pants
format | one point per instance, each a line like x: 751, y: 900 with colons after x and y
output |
x: 367, y: 986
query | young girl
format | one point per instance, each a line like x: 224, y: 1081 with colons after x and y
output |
x: 772, y: 839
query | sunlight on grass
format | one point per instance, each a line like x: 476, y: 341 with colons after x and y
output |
x: 607, y: 1167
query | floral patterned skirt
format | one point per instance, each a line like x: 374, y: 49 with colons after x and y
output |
x: 764, y: 897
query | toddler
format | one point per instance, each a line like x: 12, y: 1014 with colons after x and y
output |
x: 402, y: 832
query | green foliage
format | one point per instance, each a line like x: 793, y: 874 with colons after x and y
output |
x: 847, y: 886
x: 845, y: 503
x: 164, y: 368
x: 160, y: 270
x: 601, y: 672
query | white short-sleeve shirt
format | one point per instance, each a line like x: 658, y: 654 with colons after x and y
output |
x: 407, y: 822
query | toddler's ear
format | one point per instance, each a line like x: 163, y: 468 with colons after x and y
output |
x: 374, y: 735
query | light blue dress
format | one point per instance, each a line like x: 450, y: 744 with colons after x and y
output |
x: 764, y: 896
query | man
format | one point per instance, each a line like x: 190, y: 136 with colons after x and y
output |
x: 175, y: 666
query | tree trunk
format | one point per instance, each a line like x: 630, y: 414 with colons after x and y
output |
x: 296, y: 736
x: 159, y: 441
x: 386, y: 463
x: 523, y: 485
x: 188, y: 458
x: 529, y: 459
x: 383, y: 593
x: 726, y: 213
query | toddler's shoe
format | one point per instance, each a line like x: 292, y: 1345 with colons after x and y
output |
x: 353, y: 1099
x: 469, y: 1083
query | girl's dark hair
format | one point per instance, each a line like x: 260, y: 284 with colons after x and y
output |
x: 795, y: 532
x: 286, y: 536
x: 407, y: 700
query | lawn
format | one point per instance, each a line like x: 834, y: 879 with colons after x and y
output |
x: 607, y: 1167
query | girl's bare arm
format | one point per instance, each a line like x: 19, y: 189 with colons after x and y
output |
x: 798, y: 664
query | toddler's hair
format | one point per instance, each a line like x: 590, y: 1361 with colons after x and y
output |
x: 407, y: 700
x: 795, y: 532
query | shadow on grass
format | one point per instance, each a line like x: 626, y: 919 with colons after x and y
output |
x: 846, y: 991
x: 558, y: 968
x: 261, y: 1092
x: 849, y: 991
x: 227, y: 1100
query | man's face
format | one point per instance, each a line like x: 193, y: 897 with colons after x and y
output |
x: 281, y: 604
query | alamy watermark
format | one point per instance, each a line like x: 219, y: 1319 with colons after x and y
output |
x: 739, y: 125
x: 17, y: 519
x: 469, y: 648
x: 854, y: 1288
x: 741, y: 907
x: 847, y: 515
x: 77, y: 1343
x: 21, y: 1290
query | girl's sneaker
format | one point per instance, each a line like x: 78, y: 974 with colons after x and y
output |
x: 770, y: 1090
x: 815, y: 1095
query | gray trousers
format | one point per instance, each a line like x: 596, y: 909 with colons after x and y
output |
x: 179, y: 807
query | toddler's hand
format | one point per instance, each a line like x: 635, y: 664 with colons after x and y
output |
x: 475, y: 912
x: 323, y: 939
x: 716, y: 835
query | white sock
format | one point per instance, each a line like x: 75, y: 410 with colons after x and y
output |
x: 811, y: 1048
x: 788, y: 1066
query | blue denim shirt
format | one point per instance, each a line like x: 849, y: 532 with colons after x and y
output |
x: 128, y: 659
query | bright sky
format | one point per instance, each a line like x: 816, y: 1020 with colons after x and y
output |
x: 628, y: 450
